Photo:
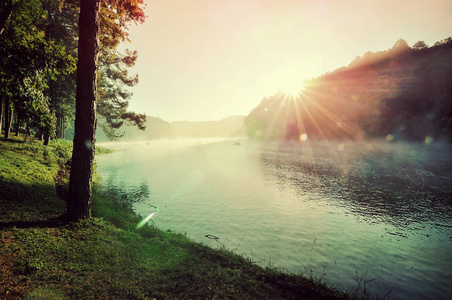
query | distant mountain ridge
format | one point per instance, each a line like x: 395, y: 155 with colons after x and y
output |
x: 157, y: 128
x: 227, y: 127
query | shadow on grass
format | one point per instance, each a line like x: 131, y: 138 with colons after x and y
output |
x: 59, y: 221
x: 30, y: 205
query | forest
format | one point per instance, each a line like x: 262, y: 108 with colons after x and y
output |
x: 157, y: 129
x: 401, y: 93
x: 38, y: 50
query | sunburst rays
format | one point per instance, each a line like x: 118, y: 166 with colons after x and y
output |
x: 308, y: 116
x: 305, y: 114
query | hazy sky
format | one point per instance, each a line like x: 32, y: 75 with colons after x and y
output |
x: 202, y: 60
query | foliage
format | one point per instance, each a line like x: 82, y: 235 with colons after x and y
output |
x: 61, y: 27
x: 29, y: 62
x: 39, y: 45
x: 33, y: 107
x: 113, y: 98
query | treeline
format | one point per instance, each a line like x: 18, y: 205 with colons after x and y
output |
x: 38, y: 51
x: 156, y: 128
x: 401, y: 93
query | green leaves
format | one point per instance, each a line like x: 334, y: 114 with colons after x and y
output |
x: 30, y: 61
x: 38, y: 47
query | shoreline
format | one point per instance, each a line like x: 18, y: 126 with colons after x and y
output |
x: 105, y: 257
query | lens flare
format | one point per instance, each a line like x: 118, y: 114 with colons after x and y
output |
x: 145, y: 220
x: 303, y: 137
x: 192, y: 180
x: 428, y: 139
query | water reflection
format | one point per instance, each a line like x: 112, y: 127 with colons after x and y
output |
x: 407, y: 186
x: 377, y: 209
x: 126, y: 193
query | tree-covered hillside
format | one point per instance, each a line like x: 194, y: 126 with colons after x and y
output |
x: 156, y: 128
x: 404, y: 92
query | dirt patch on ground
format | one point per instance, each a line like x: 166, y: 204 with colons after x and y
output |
x: 12, y: 285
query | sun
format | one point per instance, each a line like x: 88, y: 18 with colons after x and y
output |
x: 292, y: 87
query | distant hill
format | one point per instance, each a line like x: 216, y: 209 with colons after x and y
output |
x: 403, y: 92
x: 228, y: 127
x: 157, y: 128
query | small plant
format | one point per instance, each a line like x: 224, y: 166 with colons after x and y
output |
x: 362, y: 287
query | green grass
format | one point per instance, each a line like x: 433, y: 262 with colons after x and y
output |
x: 106, y: 257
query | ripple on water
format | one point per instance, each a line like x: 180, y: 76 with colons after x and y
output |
x: 370, y: 211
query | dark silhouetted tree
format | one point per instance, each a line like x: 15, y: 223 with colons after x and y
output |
x: 420, y: 45
x: 80, y: 184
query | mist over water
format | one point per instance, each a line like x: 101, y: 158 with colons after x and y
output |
x: 377, y: 212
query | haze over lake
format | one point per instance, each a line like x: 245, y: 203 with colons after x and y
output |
x: 355, y: 212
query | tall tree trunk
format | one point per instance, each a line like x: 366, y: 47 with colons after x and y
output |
x: 8, y: 117
x: 38, y: 134
x: 27, y: 131
x: 46, y: 132
x: 51, y: 82
x: 5, y: 14
x: 63, y: 129
x: 80, y: 184
x: 46, y: 137
x: 1, y: 112
x: 59, y: 125
x: 18, y: 121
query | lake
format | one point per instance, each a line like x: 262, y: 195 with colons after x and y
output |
x: 366, y: 216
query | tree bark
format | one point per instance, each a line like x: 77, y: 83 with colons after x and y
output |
x: 8, y: 118
x: 38, y: 134
x: 27, y: 131
x: 59, y: 125
x: 80, y: 184
x: 5, y: 14
x: 63, y: 127
x: 1, y: 112
x: 18, y: 121
x: 46, y: 138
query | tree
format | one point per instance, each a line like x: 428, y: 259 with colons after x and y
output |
x: 34, y: 110
x: 400, y: 47
x: 61, y: 27
x: 113, y: 99
x: 28, y: 59
x: 80, y: 184
x: 443, y: 42
x: 420, y: 46
x: 38, y: 45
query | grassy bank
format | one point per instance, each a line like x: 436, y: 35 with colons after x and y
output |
x: 42, y: 257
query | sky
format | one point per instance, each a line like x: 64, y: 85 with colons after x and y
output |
x: 203, y: 60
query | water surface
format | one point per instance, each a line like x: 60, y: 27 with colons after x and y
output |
x: 358, y: 212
